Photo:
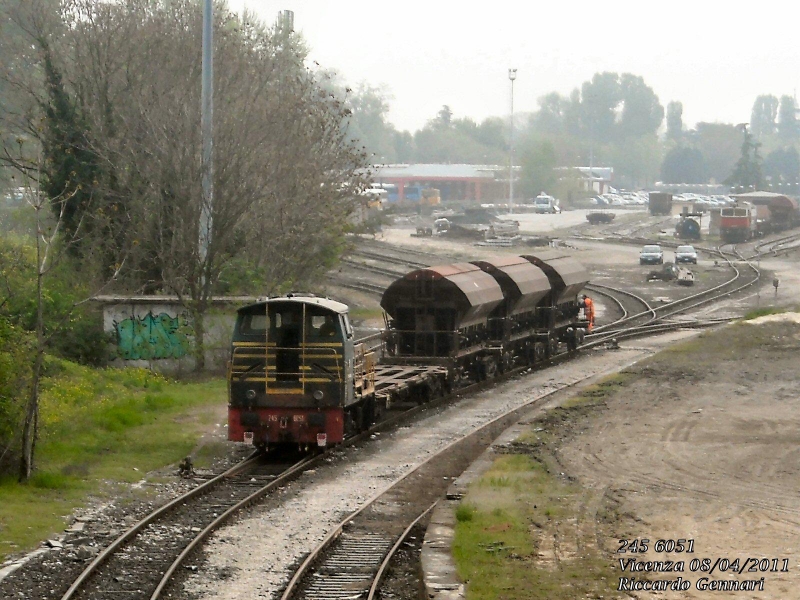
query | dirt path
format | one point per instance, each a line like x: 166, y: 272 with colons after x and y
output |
x: 704, y: 444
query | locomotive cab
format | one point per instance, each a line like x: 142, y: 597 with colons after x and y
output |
x: 294, y: 372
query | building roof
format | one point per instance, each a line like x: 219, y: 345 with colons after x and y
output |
x: 439, y: 171
x: 758, y: 198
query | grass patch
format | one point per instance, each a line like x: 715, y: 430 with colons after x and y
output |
x: 521, y: 531
x: 99, y: 427
x: 465, y: 512
x: 763, y: 312
x: 502, y: 533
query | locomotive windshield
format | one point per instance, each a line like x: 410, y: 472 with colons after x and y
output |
x: 284, y: 322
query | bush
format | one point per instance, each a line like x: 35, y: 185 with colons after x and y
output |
x: 16, y: 359
x: 77, y: 332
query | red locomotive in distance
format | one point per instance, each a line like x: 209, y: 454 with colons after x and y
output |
x: 737, y: 224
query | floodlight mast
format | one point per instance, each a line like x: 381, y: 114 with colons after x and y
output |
x: 512, y: 75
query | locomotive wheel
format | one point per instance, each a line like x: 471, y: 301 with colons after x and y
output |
x: 368, y: 414
x: 490, y: 368
x: 572, y: 343
x: 540, y: 350
x: 507, y: 362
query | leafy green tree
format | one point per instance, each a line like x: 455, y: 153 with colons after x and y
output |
x: 599, y: 101
x: 551, y: 117
x: 747, y: 174
x: 782, y: 168
x: 787, y: 119
x: 368, y: 125
x: 683, y: 164
x: 443, y: 117
x: 446, y: 139
x: 763, y: 115
x: 538, y: 162
x: 404, y: 147
x: 641, y: 112
x: 636, y: 162
x: 719, y: 143
x: 492, y: 133
x: 674, y: 121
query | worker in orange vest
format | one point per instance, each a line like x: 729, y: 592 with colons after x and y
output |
x: 588, y: 312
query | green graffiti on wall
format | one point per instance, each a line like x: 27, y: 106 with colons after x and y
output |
x: 153, y: 337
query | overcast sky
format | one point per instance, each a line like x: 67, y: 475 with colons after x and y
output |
x: 715, y: 57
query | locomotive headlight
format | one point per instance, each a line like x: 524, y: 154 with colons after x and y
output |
x: 250, y: 394
x: 318, y: 394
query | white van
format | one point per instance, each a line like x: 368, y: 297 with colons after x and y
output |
x: 545, y: 204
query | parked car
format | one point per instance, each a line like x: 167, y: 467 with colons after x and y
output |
x: 651, y: 255
x: 686, y: 254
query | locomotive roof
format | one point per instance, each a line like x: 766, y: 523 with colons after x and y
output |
x: 327, y: 303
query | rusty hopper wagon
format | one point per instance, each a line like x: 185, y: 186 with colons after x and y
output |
x: 483, y: 317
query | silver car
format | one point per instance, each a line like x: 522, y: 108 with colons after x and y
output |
x: 686, y: 254
x: 651, y: 255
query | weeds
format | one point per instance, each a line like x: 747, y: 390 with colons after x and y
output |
x: 99, y: 426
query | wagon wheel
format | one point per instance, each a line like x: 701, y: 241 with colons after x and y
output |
x: 490, y: 368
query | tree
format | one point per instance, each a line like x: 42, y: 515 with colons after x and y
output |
x: 636, y: 162
x: 683, y: 164
x: 747, y: 172
x: 599, y: 101
x: 538, y: 161
x: 641, y: 114
x: 719, y: 144
x: 674, y: 121
x: 782, y: 168
x: 551, y: 117
x: 762, y: 118
x: 286, y: 173
x: 443, y: 117
x: 445, y: 139
x: 787, y: 119
x: 367, y: 124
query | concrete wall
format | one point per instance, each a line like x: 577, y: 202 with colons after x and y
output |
x: 159, y: 335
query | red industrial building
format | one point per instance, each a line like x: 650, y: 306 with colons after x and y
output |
x: 477, y: 183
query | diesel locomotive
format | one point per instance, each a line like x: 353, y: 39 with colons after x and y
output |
x: 298, y: 376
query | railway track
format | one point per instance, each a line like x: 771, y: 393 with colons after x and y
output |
x: 349, y: 562
x: 140, y: 562
x: 656, y: 317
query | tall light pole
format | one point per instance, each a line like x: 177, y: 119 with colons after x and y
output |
x: 206, y: 126
x: 512, y: 75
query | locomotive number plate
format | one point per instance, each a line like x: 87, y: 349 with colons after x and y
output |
x: 298, y: 418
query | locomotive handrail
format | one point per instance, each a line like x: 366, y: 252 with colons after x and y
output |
x: 270, y: 370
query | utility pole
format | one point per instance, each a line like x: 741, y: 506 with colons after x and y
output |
x: 512, y: 75
x: 206, y: 124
